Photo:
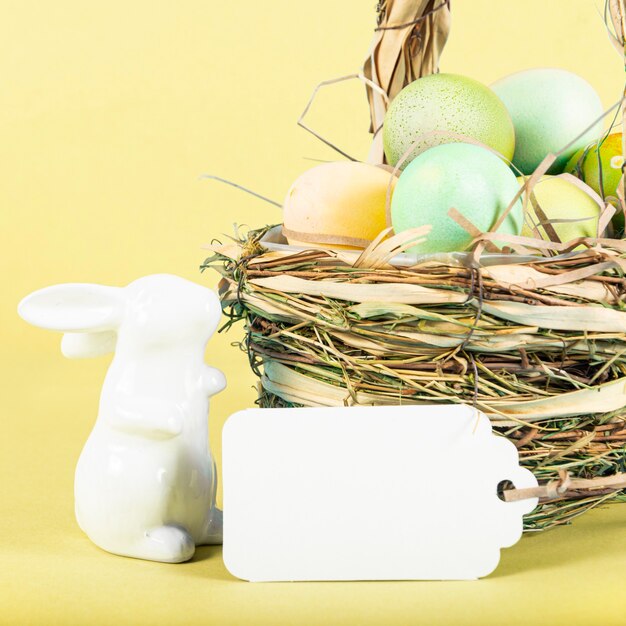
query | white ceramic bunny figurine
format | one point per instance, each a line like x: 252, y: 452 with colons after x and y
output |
x: 145, y: 481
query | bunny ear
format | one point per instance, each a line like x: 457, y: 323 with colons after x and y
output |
x: 74, y: 307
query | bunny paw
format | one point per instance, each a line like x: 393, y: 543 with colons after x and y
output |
x: 168, y: 544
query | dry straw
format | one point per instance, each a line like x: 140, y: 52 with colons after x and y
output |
x: 539, y: 346
x: 536, y: 340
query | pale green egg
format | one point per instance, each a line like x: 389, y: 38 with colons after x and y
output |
x: 432, y: 109
x: 549, y: 109
x: 469, y: 178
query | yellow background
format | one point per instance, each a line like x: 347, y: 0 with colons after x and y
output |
x: 109, y: 112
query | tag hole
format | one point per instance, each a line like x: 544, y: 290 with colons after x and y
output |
x: 503, y: 486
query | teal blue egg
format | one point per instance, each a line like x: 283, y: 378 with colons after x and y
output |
x: 464, y: 176
x: 549, y: 109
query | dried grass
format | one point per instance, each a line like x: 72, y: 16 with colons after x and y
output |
x: 538, y: 345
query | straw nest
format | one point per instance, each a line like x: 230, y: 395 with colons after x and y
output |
x: 537, y: 343
x: 533, y: 334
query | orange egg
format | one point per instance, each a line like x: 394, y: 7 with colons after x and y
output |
x: 340, y: 205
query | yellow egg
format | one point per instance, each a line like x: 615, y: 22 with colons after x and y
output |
x: 560, y: 199
x: 339, y: 204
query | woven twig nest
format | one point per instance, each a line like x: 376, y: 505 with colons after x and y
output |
x: 534, y: 335
x: 539, y: 349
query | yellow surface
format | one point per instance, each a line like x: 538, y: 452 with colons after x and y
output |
x: 109, y: 112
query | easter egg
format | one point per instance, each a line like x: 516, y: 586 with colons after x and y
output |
x: 449, y: 103
x: 549, y: 108
x: 469, y: 178
x: 600, y: 166
x: 560, y: 199
x: 342, y: 204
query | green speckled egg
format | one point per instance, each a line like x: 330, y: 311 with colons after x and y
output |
x: 464, y: 176
x: 549, y: 108
x: 446, y: 102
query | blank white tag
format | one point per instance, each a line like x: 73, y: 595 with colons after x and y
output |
x: 367, y: 493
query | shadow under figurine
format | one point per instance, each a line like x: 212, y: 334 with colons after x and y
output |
x: 145, y: 481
